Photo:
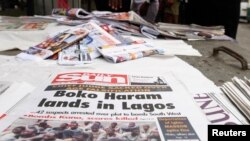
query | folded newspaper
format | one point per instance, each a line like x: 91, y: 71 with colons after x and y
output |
x: 128, y: 23
x: 238, y: 91
x: 108, y: 28
x: 102, y: 106
x: 194, y: 32
x: 150, y: 32
x: 130, y: 16
x: 121, y: 53
x: 139, y: 29
x: 74, y: 55
x: 72, y: 13
x: 54, y: 44
x: 218, y: 110
x: 98, y: 37
x: 217, y: 30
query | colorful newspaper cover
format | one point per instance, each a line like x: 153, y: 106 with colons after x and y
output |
x: 54, y: 44
x: 103, y: 106
x: 96, y: 37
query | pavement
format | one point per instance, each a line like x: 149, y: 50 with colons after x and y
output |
x: 243, y: 35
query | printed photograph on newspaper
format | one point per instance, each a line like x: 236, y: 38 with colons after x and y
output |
x: 97, y: 37
x: 74, y: 55
x: 102, y: 106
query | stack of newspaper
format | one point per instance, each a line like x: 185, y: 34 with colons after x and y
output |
x: 100, y: 34
x: 81, y: 44
x: 71, y: 16
x: 77, y: 45
x: 238, y: 91
x: 194, y: 32
x: 131, y: 23
x: 124, y: 22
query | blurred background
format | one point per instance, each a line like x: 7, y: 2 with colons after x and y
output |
x: 165, y: 14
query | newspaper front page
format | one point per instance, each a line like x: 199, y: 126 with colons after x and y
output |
x: 104, y: 107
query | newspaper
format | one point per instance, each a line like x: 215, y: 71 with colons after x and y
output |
x: 193, y: 31
x: 79, y: 13
x: 238, y: 91
x: 139, y: 29
x: 122, y: 16
x: 74, y: 55
x: 130, y: 16
x: 89, y: 105
x: 19, y: 26
x: 171, y: 47
x: 126, y: 29
x: 97, y: 37
x: 54, y: 44
x: 121, y: 53
x: 115, y: 34
x: 70, y: 22
x: 11, y: 94
x: 23, y: 23
x: 135, y: 18
x: 149, y: 32
x: 209, y: 98
x: 218, y: 110
x: 217, y: 30
x: 129, y: 23
x: 72, y: 13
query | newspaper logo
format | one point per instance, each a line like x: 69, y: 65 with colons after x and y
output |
x: 88, y: 78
